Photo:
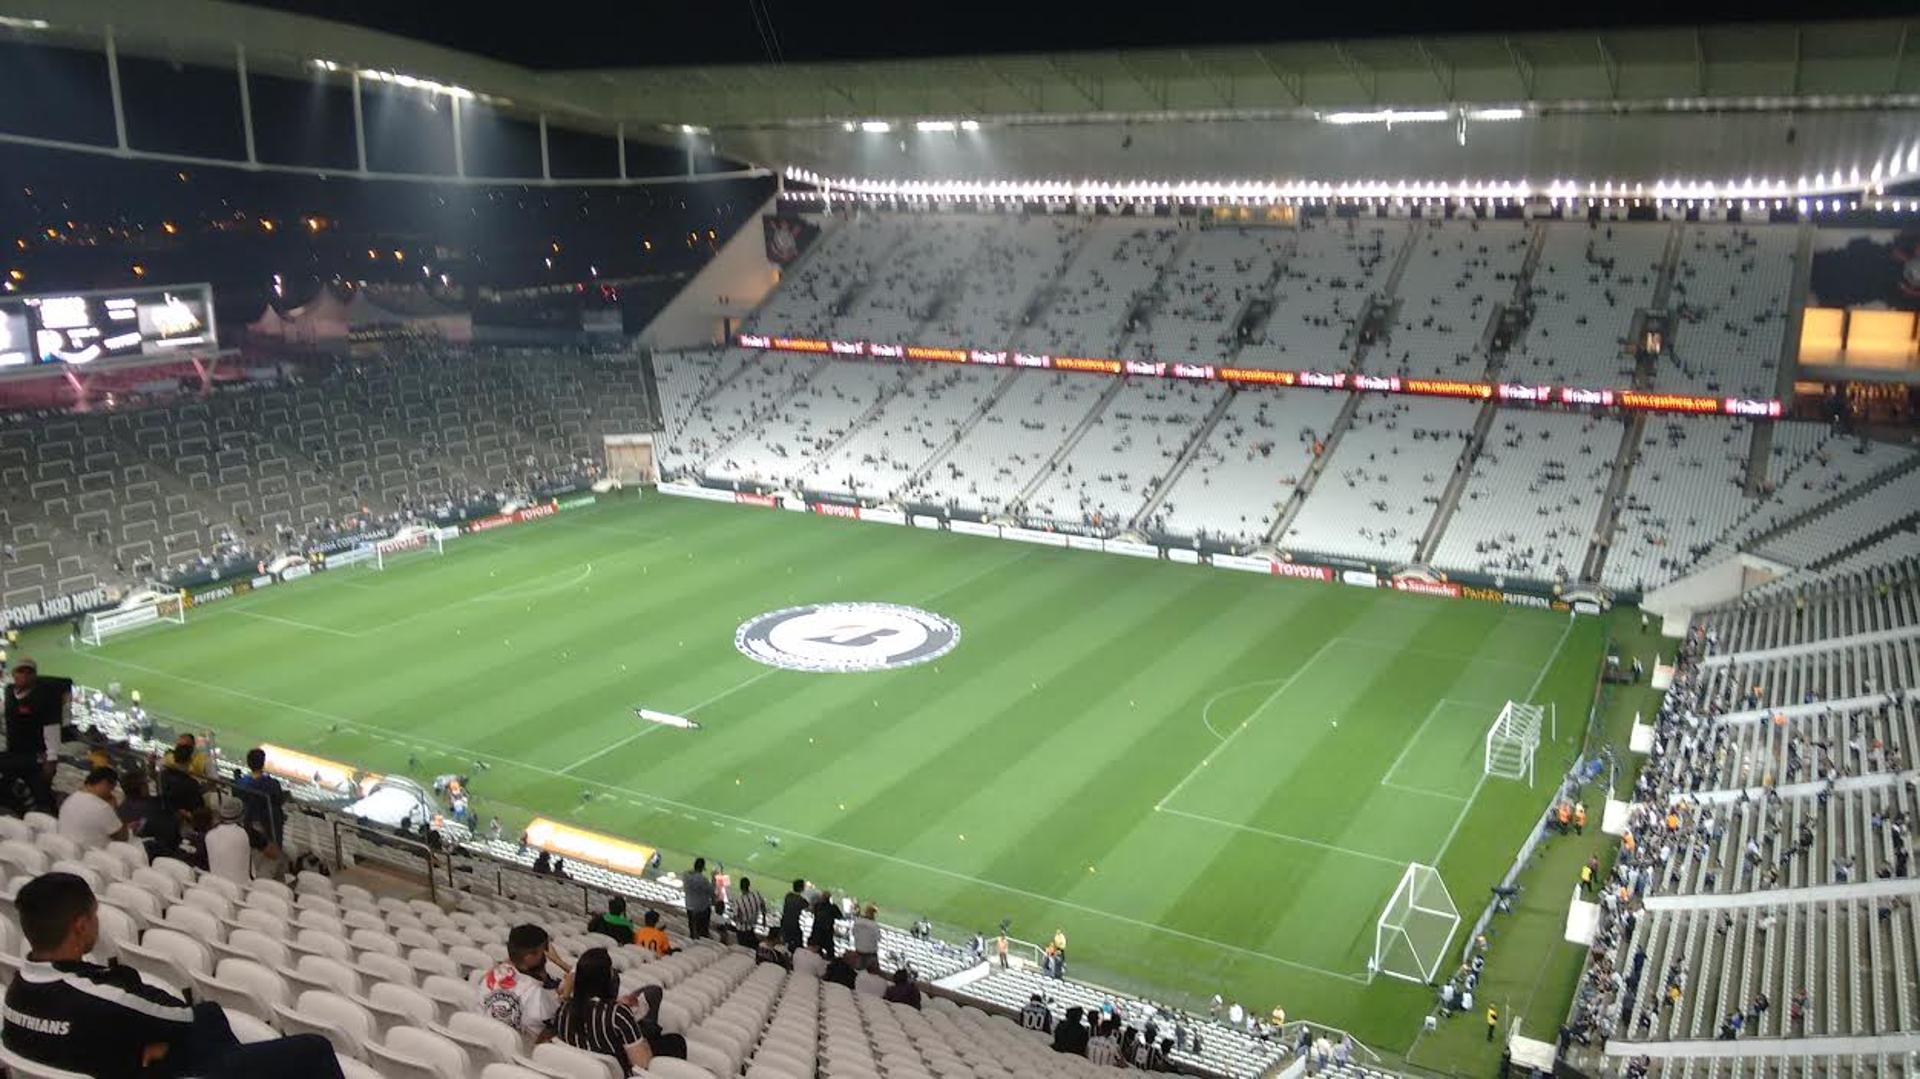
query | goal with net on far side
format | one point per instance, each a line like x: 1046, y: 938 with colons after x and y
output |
x: 147, y: 609
x: 1411, y: 938
x: 1513, y: 740
x: 377, y: 555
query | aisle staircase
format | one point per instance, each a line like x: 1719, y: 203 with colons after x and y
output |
x: 1187, y: 453
x: 1609, y: 519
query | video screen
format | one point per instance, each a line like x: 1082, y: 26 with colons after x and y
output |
x: 84, y: 328
x: 16, y: 339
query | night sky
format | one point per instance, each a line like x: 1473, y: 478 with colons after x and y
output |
x: 610, y: 33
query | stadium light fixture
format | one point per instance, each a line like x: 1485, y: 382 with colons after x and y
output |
x: 406, y: 82
x: 875, y: 127
x: 969, y: 125
x: 1387, y: 116
x: 12, y: 23
x: 1495, y: 114
x: 935, y: 126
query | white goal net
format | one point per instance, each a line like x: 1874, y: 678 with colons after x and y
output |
x: 1411, y: 938
x: 377, y: 555
x: 1513, y: 740
x: 169, y: 608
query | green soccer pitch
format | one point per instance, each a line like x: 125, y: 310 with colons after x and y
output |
x: 1211, y: 780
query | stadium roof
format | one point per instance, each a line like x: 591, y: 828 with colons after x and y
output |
x: 1810, y: 62
x: 1806, y: 61
x: 1629, y: 103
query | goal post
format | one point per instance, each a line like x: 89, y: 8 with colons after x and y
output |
x: 411, y: 540
x: 1513, y: 741
x: 1411, y: 937
x: 169, y: 608
x: 376, y: 555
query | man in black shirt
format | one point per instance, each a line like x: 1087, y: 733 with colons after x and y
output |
x: 265, y: 799
x: 791, y: 909
x: 179, y: 791
x: 104, y: 1021
x: 35, y: 709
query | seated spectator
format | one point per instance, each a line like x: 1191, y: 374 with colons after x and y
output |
x: 1036, y: 1015
x: 1070, y: 1034
x: 650, y: 936
x: 614, y: 923
x: 264, y: 798
x: 594, y: 1016
x: 903, y: 991
x: 769, y: 950
x: 520, y: 992
x: 229, y: 847
x: 137, y: 802
x: 662, y: 1043
x: 65, y: 1012
x: 88, y: 816
x: 1104, y: 1047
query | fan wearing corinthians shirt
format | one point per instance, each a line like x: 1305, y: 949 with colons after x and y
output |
x: 104, y: 1021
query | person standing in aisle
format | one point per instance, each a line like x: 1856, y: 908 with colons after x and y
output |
x: 699, y: 888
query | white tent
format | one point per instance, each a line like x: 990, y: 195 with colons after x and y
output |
x: 269, y: 324
x: 322, y: 319
x: 414, y: 315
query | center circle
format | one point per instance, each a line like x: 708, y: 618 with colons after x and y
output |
x: 843, y: 638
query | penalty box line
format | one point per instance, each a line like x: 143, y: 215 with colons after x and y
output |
x: 1245, y: 723
x: 724, y: 819
x: 1552, y: 658
x: 1386, y: 778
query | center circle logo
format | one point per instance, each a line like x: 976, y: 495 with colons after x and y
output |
x: 846, y: 637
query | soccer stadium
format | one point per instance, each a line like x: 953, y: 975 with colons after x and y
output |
x: 1236, y: 550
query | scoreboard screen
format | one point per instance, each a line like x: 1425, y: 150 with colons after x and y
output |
x: 83, y: 327
x: 16, y: 340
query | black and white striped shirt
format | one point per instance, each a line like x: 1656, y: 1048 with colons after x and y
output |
x: 88, y: 1018
x: 748, y: 912
x: 599, y: 1026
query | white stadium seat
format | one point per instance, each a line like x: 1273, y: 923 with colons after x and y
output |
x: 510, y: 1071
x: 566, y: 1061
x: 248, y: 1029
x: 331, y: 1015
x: 485, y: 1038
x: 243, y: 985
x: 415, y: 1053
